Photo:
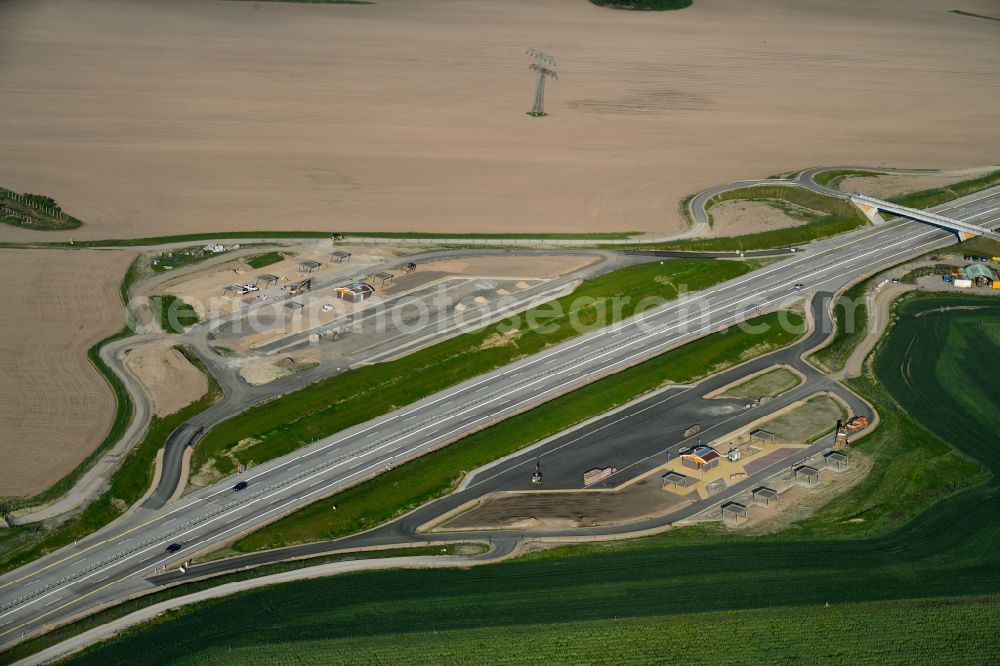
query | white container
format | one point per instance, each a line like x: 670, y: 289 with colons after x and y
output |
x: 962, y: 284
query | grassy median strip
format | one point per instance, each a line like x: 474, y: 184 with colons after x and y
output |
x: 340, y: 402
x: 22, y: 544
x: 850, y: 317
x: 435, y: 474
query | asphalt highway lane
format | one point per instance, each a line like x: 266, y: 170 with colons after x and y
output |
x: 114, y: 562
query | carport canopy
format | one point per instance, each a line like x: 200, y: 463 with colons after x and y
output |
x: 267, y: 279
x: 675, y: 479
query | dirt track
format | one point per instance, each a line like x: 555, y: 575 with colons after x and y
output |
x: 54, y: 406
x: 147, y: 118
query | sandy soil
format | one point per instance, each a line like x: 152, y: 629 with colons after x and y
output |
x: 258, y: 371
x: 54, y: 406
x: 892, y: 185
x: 532, y: 265
x: 153, y: 117
x: 570, y: 509
x: 735, y: 218
x: 798, y: 503
x: 171, y: 381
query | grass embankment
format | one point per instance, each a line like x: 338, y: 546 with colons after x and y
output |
x: 850, y: 316
x: 172, y: 313
x: 823, y: 216
x: 772, y: 383
x: 940, y: 195
x: 34, y: 211
x: 266, y: 259
x: 173, y: 259
x: 644, y: 5
x: 128, y: 483
x: 834, y: 177
x: 921, y: 525
x: 978, y: 246
x: 236, y: 235
x: 356, y: 396
x: 435, y: 474
x: 921, y: 631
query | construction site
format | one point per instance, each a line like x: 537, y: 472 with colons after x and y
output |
x: 323, y: 303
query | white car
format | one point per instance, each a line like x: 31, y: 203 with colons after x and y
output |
x: 250, y: 288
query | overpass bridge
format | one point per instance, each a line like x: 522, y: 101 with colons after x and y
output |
x: 871, y: 207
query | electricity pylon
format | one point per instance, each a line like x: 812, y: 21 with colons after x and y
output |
x: 541, y: 60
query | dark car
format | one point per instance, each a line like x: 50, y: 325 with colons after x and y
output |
x: 240, y: 486
x: 800, y: 286
x: 174, y: 547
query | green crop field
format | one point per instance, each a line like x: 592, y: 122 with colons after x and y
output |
x: 925, y: 631
x: 924, y: 524
x: 332, y: 405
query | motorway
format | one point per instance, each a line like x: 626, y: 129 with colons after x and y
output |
x: 116, y: 561
x: 634, y: 440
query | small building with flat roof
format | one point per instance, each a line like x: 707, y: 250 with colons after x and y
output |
x: 701, y: 458
x: 762, y: 437
x: 763, y: 496
x: 836, y: 460
x: 355, y: 292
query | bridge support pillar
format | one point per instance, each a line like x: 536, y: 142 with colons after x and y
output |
x: 871, y: 212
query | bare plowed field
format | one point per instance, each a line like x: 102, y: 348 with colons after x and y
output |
x: 54, y: 406
x: 147, y: 118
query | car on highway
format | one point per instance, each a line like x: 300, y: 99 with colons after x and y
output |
x: 240, y: 486
x: 799, y: 285
x: 174, y: 547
